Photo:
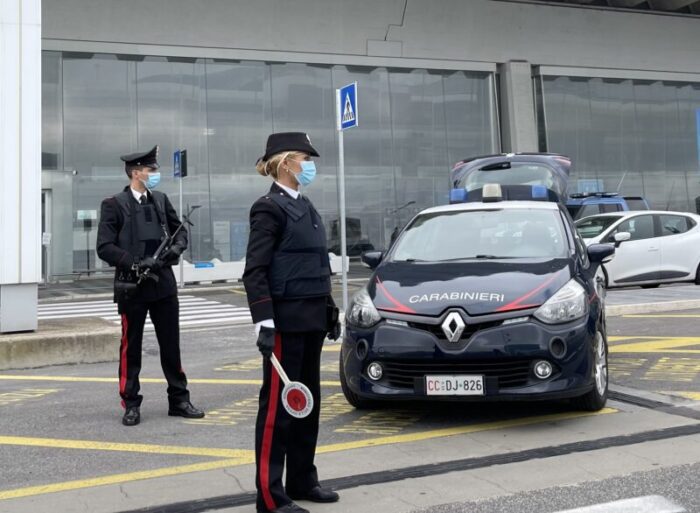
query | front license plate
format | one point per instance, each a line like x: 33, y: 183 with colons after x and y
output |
x: 459, y: 384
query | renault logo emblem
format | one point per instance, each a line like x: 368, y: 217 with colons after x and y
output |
x: 453, y: 326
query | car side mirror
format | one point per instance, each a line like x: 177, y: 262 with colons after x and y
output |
x: 600, y: 253
x: 621, y: 237
x: 372, y: 259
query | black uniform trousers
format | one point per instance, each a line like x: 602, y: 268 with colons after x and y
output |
x: 279, y: 435
x: 165, y: 317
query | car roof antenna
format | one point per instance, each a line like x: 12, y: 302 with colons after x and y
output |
x: 621, y: 180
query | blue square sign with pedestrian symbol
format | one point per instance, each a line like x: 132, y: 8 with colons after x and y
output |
x: 347, y: 106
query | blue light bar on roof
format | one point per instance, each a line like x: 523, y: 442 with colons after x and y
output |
x: 539, y: 192
x: 458, y: 196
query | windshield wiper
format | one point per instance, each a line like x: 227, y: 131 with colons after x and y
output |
x: 491, y: 257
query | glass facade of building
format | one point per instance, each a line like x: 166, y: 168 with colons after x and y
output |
x: 414, y: 124
x: 639, y: 135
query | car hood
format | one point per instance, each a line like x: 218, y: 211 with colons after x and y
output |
x: 480, y: 287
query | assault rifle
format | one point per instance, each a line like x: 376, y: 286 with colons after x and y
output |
x: 165, y: 245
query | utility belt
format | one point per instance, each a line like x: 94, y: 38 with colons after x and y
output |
x: 126, y: 283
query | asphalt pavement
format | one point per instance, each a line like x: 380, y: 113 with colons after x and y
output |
x: 64, y: 449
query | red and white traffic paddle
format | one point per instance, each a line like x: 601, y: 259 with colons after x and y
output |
x: 296, y: 397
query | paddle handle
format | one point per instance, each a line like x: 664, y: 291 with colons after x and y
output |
x: 278, y: 367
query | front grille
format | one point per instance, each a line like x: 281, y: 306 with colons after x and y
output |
x: 508, y: 372
x: 469, y: 329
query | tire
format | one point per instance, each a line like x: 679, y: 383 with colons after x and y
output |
x: 595, y: 399
x: 697, y: 276
x: 351, y: 397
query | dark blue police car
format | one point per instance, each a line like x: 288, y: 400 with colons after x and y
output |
x: 483, y: 300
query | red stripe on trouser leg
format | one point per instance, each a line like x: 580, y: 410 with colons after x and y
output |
x: 125, y: 346
x: 269, y: 429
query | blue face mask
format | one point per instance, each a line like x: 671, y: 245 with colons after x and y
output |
x: 153, y: 180
x: 307, y: 174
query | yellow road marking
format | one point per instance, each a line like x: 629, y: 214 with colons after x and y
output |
x: 460, y: 430
x: 118, y: 478
x: 246, y: 457
x: 618, y: 338
x: 659, y: 345
x: 55, y: 443
x: 201, y: 381
x: 331, y: 347
x: 695, y: 396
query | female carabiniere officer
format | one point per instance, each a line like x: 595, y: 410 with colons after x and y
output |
x: 287, y: 279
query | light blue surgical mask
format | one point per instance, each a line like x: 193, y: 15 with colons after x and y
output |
x: 307, y: 174
x: 153, y: 180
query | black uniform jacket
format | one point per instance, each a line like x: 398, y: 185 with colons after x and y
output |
x: 267, y: 223
x: 115, y: 226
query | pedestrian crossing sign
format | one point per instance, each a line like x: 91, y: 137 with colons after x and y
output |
x: 346, y: 106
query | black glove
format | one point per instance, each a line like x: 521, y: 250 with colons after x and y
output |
x: 334, y: 333
x: 150, y: 263
x: 266, y: 341
x: 173, y: 253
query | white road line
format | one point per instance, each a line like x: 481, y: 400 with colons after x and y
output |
x: 108, y: 310
x: 110, y: 304
x: 213, y: 315
x: 246, y: 320
x: 102, y: 301
x: 647, y: 504
x: 194, y: 311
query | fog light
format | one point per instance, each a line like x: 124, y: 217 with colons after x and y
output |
x: 543, y: 369
x: 375, y: 371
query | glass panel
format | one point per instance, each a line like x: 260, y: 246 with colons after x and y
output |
x: 99, y: 124
x: 480, y: 234
x: 673, y: 225
x: 239, y: 115
x: 172, y: 113
x: 639, y: 228
x: 633, y: 136
x: 413, y: 125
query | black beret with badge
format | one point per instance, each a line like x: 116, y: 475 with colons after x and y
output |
x: 147, y: 158
x: 288, y: 141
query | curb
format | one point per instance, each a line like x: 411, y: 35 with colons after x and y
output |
x: 83, y: 342
x: 649, y: 308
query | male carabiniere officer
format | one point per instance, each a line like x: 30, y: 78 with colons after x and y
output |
x: 132, y: 225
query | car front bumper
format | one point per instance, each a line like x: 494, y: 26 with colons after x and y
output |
x: 504, y: 354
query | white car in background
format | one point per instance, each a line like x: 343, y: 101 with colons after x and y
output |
x: 653, y: 247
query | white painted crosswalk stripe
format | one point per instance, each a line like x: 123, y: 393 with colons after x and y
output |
x: 194, y: 311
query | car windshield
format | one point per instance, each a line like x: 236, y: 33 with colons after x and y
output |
x: 593, y: 226
x: 482, y: 234
x: 518, y: 174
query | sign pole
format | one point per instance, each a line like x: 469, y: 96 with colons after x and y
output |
x: 182, y: 259
x: 346, y: 117
x: 343, y: 235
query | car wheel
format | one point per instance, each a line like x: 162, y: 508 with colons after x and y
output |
x: 697, y: 276
x: 596, y: 398
x: 355, y: 400
x: 651, y: 286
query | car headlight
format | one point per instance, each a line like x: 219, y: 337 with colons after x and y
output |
x: 568, y: 304
x: 361, y: 311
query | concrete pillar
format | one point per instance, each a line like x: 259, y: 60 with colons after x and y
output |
x: 20, y: 163
x: 518, y: 123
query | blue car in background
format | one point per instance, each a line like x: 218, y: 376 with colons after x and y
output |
x: 582, y: 205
